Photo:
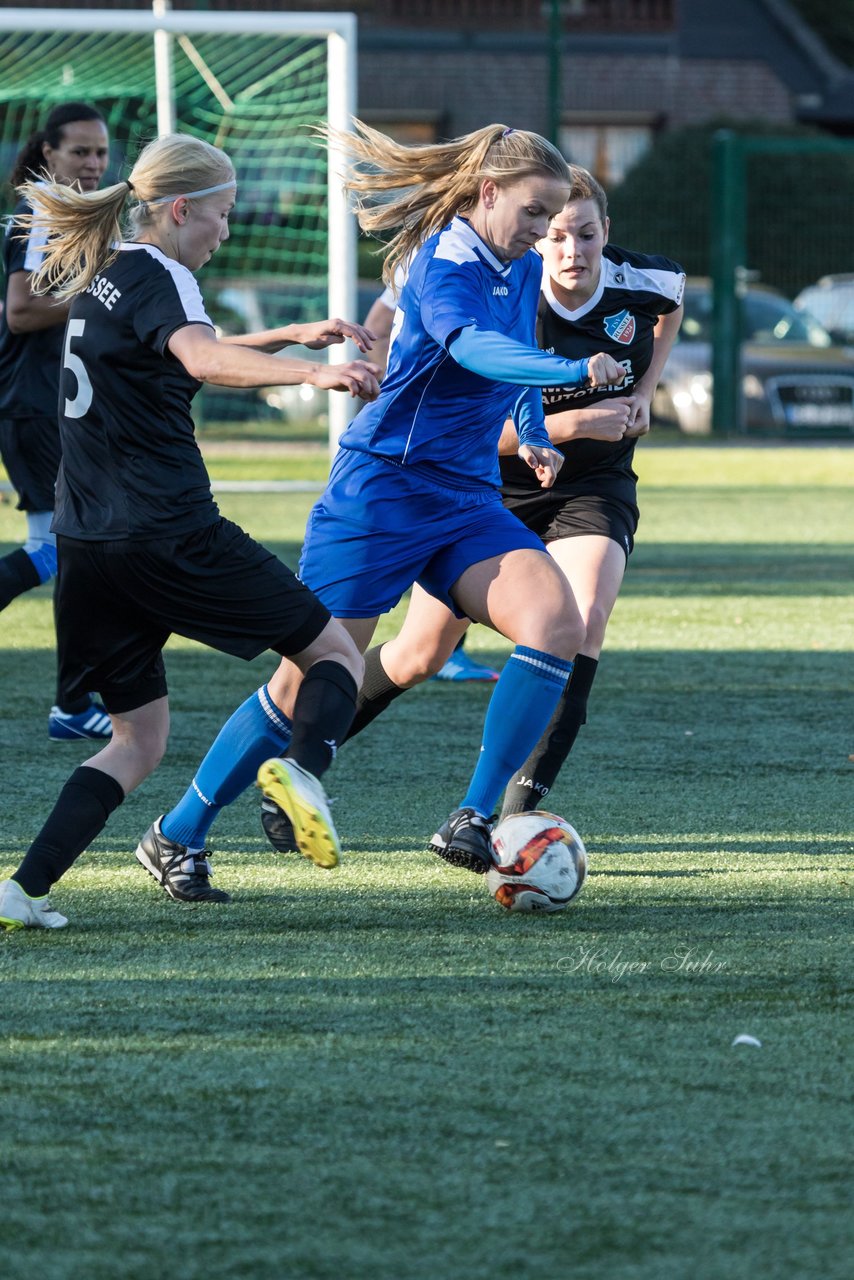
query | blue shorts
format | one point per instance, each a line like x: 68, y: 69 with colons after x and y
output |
x: 380, y: 527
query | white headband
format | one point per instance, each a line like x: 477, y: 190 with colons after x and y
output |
x: 188, y: 195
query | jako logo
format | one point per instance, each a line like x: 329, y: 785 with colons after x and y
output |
x: 500, y: 291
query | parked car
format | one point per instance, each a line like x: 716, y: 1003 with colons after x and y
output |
x: 242, y: 306
x: 831, y: 302
x: 795, y: 380
x: 248, y: 306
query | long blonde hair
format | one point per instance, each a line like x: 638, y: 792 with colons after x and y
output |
x: 84, y: 226
x: 419, y: 188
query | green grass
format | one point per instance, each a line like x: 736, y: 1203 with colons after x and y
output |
x: 376, y: 1074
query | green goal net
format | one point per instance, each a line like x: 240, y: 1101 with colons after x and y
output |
x: 254, y: 85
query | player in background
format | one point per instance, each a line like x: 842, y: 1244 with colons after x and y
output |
x: 72, y: 148
x: 139, y: 534
x: 460, y: 667
x: 413, y: 494
x: 593, y: 294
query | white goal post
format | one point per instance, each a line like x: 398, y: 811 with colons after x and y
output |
x: 164, y: 25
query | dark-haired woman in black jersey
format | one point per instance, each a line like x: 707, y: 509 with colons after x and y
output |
x: 71, y: 148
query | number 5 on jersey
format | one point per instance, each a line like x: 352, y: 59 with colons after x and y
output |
x: 77, y: 407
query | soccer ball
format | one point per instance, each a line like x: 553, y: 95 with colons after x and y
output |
x: 540, y: 862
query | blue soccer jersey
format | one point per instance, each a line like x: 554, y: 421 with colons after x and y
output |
x: 432, y: 414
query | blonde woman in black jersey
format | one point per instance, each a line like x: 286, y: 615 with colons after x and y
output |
x: 138, y: 530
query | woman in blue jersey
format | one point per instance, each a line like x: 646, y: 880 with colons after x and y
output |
x: 72, y: 148
x: 592, y: 293
x: 414, y: 494
x: 138, y: 532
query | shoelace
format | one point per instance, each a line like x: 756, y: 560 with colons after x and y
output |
x: 197, y: 864
x: 470, y: 819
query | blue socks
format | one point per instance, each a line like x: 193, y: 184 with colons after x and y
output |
x: 44, y: 561
x: 519, y: 710
x: 255, y: 732
x: 41, y: 544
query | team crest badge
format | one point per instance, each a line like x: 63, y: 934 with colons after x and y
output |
x: 620, y: 327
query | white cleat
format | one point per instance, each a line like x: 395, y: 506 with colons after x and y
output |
x: 19, y: 911
x: 303, y: 799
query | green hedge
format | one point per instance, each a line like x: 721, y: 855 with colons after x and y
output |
x: 799, y: 207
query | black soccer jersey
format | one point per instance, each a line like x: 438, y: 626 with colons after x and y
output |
x: 29, y: 362
x: 131, y: 467
x: 634, y: 290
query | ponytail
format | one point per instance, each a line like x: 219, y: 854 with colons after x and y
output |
x: 81, y: 229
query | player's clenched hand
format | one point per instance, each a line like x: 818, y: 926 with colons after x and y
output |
x: 325, y: 333
x: 359, y: 378
x: 545, y: 462
x: 608, y: 420
x: 603, y: 371
x: 638, y: 424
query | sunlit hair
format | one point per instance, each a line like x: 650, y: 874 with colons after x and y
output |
x: 84, y: 226
x: 583, y: 186
x: 418, y: 189
x: 30, y: 161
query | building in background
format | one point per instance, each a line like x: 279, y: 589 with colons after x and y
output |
x: 606, y: 76
x: 617, y: 73
x: 635, y: 90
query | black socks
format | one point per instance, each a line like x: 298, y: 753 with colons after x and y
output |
x: 79, y: 815
x: 323, y: 713
x: 377, y: 692
x: 537, y: 776
x: 17, y: 575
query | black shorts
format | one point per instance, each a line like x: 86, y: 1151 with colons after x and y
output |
x: 554, y: 515
x: 117, y: 603
x: 31, y: 452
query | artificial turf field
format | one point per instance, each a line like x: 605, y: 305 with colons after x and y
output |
x: 378, y: 1074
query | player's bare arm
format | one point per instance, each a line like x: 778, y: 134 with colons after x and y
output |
x: 28, y: 312
x: 607, y: 421
x: 665, y: 333
x: 210, y: 359
x: 317, y: 335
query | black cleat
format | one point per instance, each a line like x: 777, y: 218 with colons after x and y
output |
x: 465, y: 841
x: 278, y: 827
x: 185, y: 876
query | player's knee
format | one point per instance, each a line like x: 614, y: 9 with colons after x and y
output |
x: 151, y: 749
x: 596, y: 623
x: 562, y: 637
x: 345, y: 652
x: 145, y: 743
x: 568, y: 641
x: 334, y: 644
x: 423, y: 662
x: 356, y: 666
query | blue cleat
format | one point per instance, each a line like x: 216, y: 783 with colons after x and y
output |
x: 460, y: 667
x: 94, y: 722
